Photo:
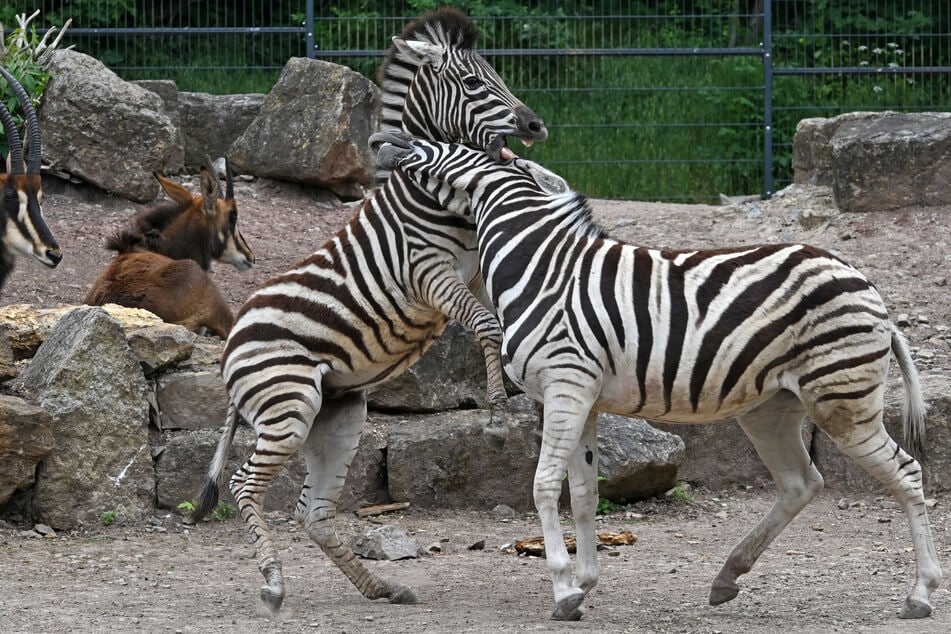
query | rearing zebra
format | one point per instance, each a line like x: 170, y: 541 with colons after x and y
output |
x: 765, y: 334
x: 365, y: 306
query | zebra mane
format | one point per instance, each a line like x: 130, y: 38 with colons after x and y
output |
x: 578, y: 208
x: 447, y: 27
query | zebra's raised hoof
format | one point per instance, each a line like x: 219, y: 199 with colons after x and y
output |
x: 272, y: 598
x: 403, y: 596
x: 569, y: 608
x: 495, y: 434
x: 272, y: 593
x: 914, y: 609
x: 722, y: 591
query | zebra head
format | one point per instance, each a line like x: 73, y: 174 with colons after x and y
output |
x: 435, y: 86
x: 465, y: 172
x: 23, y: 229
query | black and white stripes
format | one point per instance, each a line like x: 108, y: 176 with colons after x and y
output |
x: 765, y: 334
x: 366, y: 305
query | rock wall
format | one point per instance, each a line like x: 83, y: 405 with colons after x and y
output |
x: 123, y: 413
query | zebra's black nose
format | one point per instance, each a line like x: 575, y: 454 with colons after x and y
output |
x: 54, y: 256
x: 530, y: 124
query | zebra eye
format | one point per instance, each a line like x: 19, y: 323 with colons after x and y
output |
x: 473, y: 83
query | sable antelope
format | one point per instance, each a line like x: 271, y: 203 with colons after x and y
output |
x: 22, y: 227
x: 162, y: 261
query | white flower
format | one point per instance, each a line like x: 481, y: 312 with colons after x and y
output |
x: 862, y: 48
x: 877, y: 89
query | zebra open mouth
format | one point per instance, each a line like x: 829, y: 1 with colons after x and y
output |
x: 498, y: 151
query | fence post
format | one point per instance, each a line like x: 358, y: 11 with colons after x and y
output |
x: 309, y: 29
x: 767, y: 99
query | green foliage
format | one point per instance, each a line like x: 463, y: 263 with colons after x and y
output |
x: 22, y: 53
x: 223, y: 511
x: 606, y: 506
x: 108, y: 518
x: 641, y: 127
x: 681, y: 493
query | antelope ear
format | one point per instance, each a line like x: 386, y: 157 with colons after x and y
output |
x: 421, y: 52
x: 175, y: 191
x: 548, y: 181
x: 210, y: 188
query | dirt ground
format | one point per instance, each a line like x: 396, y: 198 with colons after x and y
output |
x: 834, y: 569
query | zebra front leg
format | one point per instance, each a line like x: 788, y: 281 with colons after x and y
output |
x: 565, y: 421
x: 583, y: 485
x: 775, y: 429
x: 277, y: 440
x: 458, y: 302
x: 329, y: 450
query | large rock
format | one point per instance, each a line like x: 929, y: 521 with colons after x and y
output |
x: 635, y: 459
x: 313, y: 128
x: 191, y: 400
x: 442, y: 460
x: 877, y: 161
x: 450, y: 375
x: 104, y: 130
x: 211, y: 123
x: 27, y: 326
x: 87, y: 378
x: 7, y: 360
x: 26, y: 436
x: 168, y: 92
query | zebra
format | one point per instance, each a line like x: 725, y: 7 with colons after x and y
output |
x: 361, y: 309
x: 764, y: 334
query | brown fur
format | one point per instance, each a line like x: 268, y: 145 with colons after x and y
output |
x: 178, y: 291
x: 162, y: 261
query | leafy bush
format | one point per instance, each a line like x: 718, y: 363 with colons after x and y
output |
x: 23, y: 54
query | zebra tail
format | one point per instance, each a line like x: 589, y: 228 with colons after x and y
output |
x: 208, y: 498
x: 913, y: 409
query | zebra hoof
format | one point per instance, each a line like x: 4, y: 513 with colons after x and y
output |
x: 569, y: 608
x: 723, y: 591
x: 403, y: 596
x: 495, y: 437
x: 272, y: 598
x: 914, y: 609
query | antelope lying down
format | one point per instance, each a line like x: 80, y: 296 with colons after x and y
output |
x: 162, y: 260
x: 23, y: 230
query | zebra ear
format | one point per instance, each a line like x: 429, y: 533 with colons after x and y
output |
x: 420, y: 52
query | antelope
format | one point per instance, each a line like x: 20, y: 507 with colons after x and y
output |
x: 162, y: 260
x: 23, y: 230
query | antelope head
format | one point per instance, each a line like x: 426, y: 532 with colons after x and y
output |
x: 22, y: 227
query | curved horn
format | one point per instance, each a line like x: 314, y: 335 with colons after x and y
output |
x: 13, y: 140
x: 229, y: 194
x: 32, y: 125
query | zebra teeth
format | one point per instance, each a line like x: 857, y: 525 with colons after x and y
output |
x: 507, y: 154
x: 527, y: 142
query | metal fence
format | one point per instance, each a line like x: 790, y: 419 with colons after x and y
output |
x: 674, y: 100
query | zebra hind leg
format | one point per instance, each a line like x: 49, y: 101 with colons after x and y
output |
x: 775, y: 429
x: 329, y: 450
x: 870, y: 445
x: 277, y: 439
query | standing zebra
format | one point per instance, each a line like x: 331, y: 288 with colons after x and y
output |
x: 365, y: 306
x: 764, y: 334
